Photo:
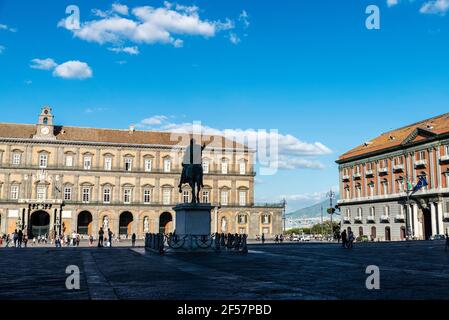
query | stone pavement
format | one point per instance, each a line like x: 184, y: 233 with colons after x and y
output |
x: 305, y: 271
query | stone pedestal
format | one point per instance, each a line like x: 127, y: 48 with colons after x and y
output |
x: 193, y: 219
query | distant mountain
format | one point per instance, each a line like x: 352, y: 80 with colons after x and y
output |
x: 313, y: 211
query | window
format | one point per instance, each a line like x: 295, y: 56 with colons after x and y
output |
x: 372, y: 211
x: 385, y: 187
x: 358, y: 189
x: 16, y: 159
x: 206, y: 198
x: 45, y: 121
x: 67, y: 193
x: 401, y: 185
x: 107, y: 195
x: 127, y: 192
x: 266, y: 219
x: 86, y: 195
x: 14, y: 192
x: 348, y: 192
x: 148, y: 165
x: 371, y: 189
x: 422, y: 155
x: 166, y: 196
x: 205, y: 166
x: 185, y: 196
x: 69, y: 161
x: 224, y: 198
x: 348, y: 214
x: 242, y: 219
x: 41, y: 193
x: 108, y: 163
x: 147, y: 196
x: 359, y: 213
x: 167, y: 165
x: 224, y: 167
x: 242, y: 167
x: 87, y: 162
x: 128, y: 164
x: 398, y: 161
x: 43, y: 160
x: 387, y: 211
x: 446, y: 150
x: 369, y: 166
x: 242, y: 198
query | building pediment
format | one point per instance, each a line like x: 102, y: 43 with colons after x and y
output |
x: 417, y: 135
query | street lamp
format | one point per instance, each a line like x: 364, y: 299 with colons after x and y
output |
x: 331, y: 211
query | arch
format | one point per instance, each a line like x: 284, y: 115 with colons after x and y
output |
x: 125, y: 223
x: 165, y: 223
x: 373, y: 233
x: 387, y: 234
x: 84, y: 225
x: 360, y: 231
x: 45, y: 121
x: 40, y: 223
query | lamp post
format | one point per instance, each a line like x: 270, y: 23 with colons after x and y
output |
x: 331, y: 196
x: 284, y: 204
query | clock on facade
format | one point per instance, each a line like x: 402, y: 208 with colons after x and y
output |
x: 45, y: 130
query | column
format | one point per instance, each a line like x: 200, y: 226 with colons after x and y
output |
x: 409, y: 219
x: 432, y: 169
x: 438, y: 168
x: 216, y: 220
x: 433, y: 216
x: 416, y: 231
x: 440, y: 218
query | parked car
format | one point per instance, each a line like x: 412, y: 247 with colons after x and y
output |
x: 296, y: 238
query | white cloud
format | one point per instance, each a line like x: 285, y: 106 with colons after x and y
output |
x: 392, y: 3
x: 292, y: 152
x: 2, y: 49
x: 67, y: 70
x: 234, y: 38
x: 120, y: 9
x: 95, y: 110
x: 7, y: 28
x: 73, y: 70
x: 244, y: 17
x: 435, y: 7
x: 148, y: 25
x: 129, y: 50
x: 43, y: 64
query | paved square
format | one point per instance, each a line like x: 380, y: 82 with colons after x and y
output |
x: 418, y: 270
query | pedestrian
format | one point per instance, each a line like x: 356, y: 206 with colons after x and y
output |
x: 276, y: 239
x: 8, y: 240
x: 100, y: 237
x: 447, y: 241
x: 110, y: 237
x: 19, y: 238
x: 281, y: 238
x: 344, y: 239
x: 25, y: 240
x: 133, y: 240
x: 350, y: 238
x: 91, y: 240
x: 15, y: 237
x: 78, y: 240
x: 263, y: 238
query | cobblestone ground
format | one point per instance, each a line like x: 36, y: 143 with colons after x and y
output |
x: 418, y: 270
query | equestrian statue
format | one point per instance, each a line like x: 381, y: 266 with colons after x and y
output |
x: 192, y: 170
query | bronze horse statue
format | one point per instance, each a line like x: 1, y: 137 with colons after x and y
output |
x: 192, y: 171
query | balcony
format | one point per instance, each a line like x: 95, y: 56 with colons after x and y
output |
x: 420, y: 163
x: 369, y: 173
x: 371, y: 219
x: 400, y: 218
x: 398, y: 167
x: 345, y: 177
x: 383, y: 170
x: 385, y: 219
x: 444, y: 158
x: 358, y: 219
x: 357, y: 176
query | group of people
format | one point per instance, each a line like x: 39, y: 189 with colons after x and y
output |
x: 347, y: 239
x: 279, y: 238
x: 18, y: 239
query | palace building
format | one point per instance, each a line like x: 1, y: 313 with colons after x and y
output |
x: 60, y: 179
x: 374, y: 176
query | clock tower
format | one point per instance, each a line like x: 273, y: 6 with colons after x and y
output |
x: 45, y: 127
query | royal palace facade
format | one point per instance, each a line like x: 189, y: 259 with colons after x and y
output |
x: 374, y: 183
x: 57, y: 179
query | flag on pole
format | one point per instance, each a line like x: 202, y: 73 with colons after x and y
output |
x: 421, y: 184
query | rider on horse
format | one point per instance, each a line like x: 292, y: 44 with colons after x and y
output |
x: 192, y: 168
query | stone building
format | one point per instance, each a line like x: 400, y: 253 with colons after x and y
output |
x: 63, y: 179
x: 373, y: 183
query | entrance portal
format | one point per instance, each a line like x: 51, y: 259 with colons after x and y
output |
x: 40, y: 224
x: 85, y: 223
x: 126, y: 219
x: 165, y: 223
x: 427, y: 224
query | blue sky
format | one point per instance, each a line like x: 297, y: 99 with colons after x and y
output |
x: 309, y: 69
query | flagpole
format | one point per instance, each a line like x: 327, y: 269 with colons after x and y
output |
x: 407, y: 220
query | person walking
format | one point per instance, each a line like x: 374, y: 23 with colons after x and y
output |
x: 110, y: 237
x: 25, y: 240
x: 350, y: 238
x: 15, y: 237
x: 133, y: 240
x: 91, y: 240
x: 19, y: 238
x: 447, y: 242
x: 100, y: 237
x: 344, y: 239
x: 263, y: 238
